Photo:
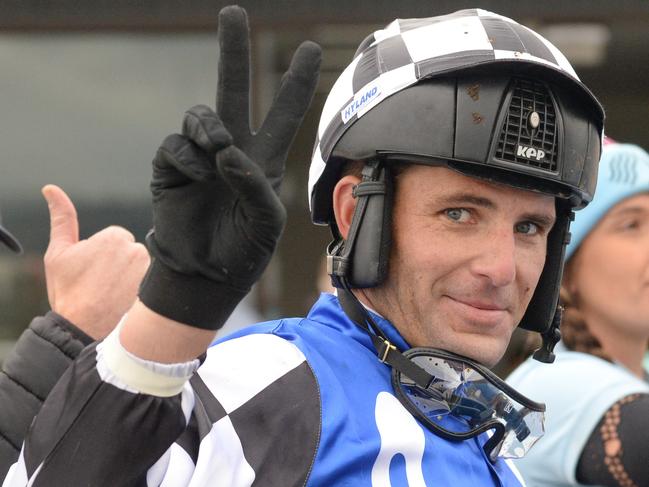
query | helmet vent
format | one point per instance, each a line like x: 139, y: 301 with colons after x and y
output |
x: 529, y: 132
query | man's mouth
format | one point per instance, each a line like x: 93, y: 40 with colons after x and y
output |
x: 486, y: 305
x: 477, y: 311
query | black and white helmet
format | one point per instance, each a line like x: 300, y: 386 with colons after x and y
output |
x: 476, y: 92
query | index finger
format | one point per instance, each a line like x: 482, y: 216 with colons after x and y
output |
x: 293, y: 98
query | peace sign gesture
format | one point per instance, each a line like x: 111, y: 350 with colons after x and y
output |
x: 217, y: 216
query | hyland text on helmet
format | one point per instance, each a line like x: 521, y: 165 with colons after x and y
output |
x: 359, y: 102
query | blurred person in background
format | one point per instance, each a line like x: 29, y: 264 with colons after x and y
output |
x: 91, y: 283
x: 596, y: 392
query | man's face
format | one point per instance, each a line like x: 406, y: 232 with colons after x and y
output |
x: 466, y: 258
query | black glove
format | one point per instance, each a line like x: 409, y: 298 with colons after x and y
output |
x: 216, y: 213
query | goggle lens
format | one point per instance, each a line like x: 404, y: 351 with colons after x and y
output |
x: 464, y: 399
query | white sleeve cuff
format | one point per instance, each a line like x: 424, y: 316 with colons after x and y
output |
x: 121, y: 368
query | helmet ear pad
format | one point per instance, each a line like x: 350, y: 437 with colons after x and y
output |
x: 361, y: 260
x: 370, y: 252
x: 540, y: 312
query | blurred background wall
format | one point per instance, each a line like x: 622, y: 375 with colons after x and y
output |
x: 88, y: 89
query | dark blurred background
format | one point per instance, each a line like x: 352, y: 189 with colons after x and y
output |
x: 88, y: 89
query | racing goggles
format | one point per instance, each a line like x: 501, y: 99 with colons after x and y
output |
x: 457, y: 399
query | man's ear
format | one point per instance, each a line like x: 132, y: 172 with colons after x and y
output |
x: 344, y: 203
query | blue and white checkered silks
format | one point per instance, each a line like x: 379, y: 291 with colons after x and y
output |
x: 409, y: 50
x: 623, y: 173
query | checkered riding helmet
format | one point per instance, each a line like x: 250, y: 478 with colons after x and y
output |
x: 478, y: 93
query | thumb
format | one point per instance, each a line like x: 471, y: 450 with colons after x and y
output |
x: 64, y: 226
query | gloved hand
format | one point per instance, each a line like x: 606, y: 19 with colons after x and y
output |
x: 217, y: 216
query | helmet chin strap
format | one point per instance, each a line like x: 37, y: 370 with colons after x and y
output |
x: 387, y: 352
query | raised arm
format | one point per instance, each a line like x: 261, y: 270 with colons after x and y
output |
x: 217, y: 213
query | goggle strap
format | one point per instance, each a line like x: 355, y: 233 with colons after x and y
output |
x: 398, y: 361
x: 494, y: 444
x: 357, y: 312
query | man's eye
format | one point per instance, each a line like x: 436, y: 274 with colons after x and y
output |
x: 527, y: 228
x: 458, y: 214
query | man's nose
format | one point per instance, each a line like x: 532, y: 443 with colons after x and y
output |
x: 497, y: 260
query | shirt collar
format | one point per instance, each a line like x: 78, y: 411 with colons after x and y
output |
x: 327, y: 311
